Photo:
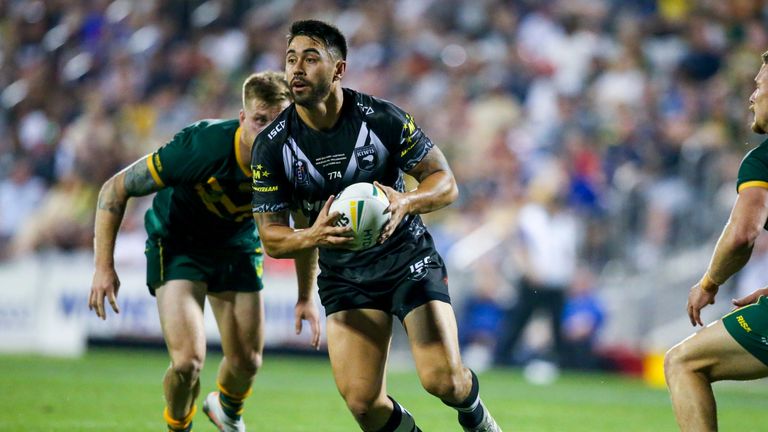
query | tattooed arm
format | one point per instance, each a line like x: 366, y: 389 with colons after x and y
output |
x: 136, y: 180
x: 437, y: 188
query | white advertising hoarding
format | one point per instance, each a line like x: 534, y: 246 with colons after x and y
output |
x: 44, y: 306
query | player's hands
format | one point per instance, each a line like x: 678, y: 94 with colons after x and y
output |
x: 697, y: 299
x: 326, y: 233
x: 399, y: 206
x: 749, y: 298
x: 105, y: 284
x: 306, y: 310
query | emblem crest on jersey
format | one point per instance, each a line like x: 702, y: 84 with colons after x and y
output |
x: 366, y: 157
x: 300, y: 172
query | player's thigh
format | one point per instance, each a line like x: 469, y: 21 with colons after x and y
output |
x: 432, y: 333
x: 714, y: 351
x: 358, y: 346
x: 240, y: 318
x: 180, y: 304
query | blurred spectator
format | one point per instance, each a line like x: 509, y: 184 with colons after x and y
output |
x: 546, y: 249
x: 481, y: 317
x: 583, y: 317
x: 20, y: 194
x: 64, y: 219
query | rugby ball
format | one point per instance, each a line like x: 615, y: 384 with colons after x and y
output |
x: 362, y: 207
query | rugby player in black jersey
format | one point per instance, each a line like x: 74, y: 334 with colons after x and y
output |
x: 332, y: 137
x: 736, y: 346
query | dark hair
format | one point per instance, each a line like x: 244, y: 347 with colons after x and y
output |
x: 765, y: 57
x: 329, y: 35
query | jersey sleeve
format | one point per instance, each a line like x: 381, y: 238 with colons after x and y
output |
x: 753, y: 171
x: 411, y: 143
x: 186, y: 159
x: 271, y: 189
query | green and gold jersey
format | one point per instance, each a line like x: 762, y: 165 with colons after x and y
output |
x: 206, y: 202
x: 753, y: 171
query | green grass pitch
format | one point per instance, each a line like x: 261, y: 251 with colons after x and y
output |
x: 120, y: 390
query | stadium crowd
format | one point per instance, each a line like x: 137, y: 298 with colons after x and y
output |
x: 629, y: 115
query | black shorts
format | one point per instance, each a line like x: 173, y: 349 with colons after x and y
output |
x: 396, y: 284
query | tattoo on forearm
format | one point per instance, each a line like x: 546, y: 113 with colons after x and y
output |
x: 138, y: 179
x: 108, y: 201
x: 433, y: 162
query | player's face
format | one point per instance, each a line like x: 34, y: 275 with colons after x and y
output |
x: 256, y: 115
x: 758, y: 102
x: 309, y: 69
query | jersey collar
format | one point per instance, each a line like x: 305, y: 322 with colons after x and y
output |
x: 238, y: 155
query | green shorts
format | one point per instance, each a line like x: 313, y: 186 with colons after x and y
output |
x: 749, y: 326
x: 221, y: 270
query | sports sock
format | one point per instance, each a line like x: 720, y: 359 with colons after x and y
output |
x: 400, y: 420
x: 183, y: 425
x: 232, y: 403
x: 470, y: 409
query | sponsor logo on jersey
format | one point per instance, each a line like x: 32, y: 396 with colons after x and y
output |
x: 272, y: 188
x: 366, y: 109
x: 259, y: 172
x: 366, y: 157
x: 276, y: 130
x: 743, y: 323
x: 300, y: 172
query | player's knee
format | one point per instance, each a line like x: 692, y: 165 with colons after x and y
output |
x: 246, y: 364
x: 360, y: 401
x: 188, y: 368
x: 676, y: 361
x: 360, y: 409
x: 445, y: 383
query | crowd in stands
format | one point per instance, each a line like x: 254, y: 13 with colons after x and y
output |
x: 638, y: 110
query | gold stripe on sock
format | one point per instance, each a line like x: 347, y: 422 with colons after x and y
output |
x: 232, y: 395
x: 179, y: 424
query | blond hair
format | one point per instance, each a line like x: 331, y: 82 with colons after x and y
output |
x: 269, y: 87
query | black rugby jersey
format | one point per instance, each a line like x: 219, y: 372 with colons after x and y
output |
x: 296, y: 167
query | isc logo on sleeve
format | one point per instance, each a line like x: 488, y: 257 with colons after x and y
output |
x: 280, y: 126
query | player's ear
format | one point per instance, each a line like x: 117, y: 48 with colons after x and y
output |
x: 242, y: 117
x: 341, y: 67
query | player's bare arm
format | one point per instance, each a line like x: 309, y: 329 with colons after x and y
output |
x: 437, y: 189
x: 306, y: 273
x: 733, y: 249
x: 136, y: 180
x: 282, y: 241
